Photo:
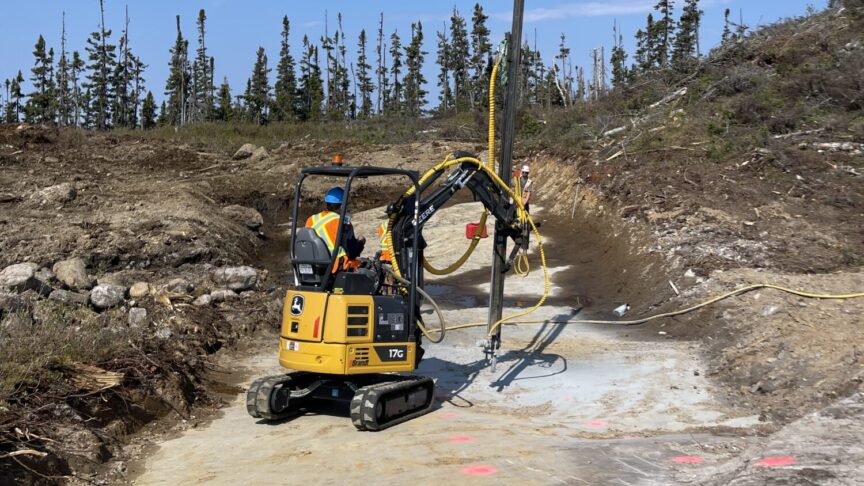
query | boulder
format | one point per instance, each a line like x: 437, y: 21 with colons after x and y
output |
x: 139, y: 290
x: 137, y: 316
x: 73, y: 273
x: 244, y: 152
x: 223, y: 295
x: 236, y: 278
x: 260, y: 153
x: 20, y: 277
x: 179, y: 285
x: 203, y: 301
x: 53, y: 195
x: 45, y: 276
x: 69, y: 298
x: 248, y: 216
x: 104, y: 296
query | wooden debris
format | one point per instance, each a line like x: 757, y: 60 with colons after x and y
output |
x: 92, y: 378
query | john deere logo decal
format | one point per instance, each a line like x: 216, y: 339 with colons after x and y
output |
x: 297, y: 303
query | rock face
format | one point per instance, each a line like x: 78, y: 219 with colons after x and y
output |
x: 248, y: 216
x: 236, y: 278
x: 72, y: 273
x: 104, y: 296
x: 137, y: 316
x: 59, y: 194
x: 19, y: 277
x: 244, y: 152
x: 69, y: 298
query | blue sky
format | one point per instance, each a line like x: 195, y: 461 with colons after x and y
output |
x: 237, y: 28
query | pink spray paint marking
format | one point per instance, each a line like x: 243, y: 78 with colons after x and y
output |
x: 595, y: 424
x: 776, y: 461
x: 688, y: 460
x: 448, y: 415
x: 461, y: 438
x: 567, y: 399
x: 479, y: 470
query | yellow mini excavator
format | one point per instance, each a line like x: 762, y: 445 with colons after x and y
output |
x: 354, y: 335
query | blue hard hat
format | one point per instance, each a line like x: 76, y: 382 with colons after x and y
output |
x: 335, y: 195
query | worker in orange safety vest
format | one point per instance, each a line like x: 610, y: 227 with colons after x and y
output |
x: 326, y: 226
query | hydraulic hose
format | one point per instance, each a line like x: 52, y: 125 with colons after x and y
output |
x: 475, y: 240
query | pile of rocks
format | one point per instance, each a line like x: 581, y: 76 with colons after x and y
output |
x: 68, y: 282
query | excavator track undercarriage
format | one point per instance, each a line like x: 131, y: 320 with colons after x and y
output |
x: 376, y: 401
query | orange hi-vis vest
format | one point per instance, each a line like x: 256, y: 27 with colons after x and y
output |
x: 386, y: 242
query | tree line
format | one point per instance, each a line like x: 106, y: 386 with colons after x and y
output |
x: 106, y: 89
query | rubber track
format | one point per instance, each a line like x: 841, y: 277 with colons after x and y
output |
x: 258, y: 398
x: 366, y: 399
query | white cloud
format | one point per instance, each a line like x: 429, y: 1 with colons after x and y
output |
x: 583, y: 9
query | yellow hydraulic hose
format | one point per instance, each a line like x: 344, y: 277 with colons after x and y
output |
x: 475, y: 240
x: 714, y: 300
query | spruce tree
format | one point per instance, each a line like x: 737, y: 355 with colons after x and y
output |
x: 65, y: 108
x: 458, y: 62
x: 77, y: 67
x: 619, y: 60
x: 415, y: 94
x: 8, y: 102
x: 40, y: 102
x: 14, y: 108
x: 258, y: 98
x: 148, y: 112
x: 200, y: 99
x: 163, y: 119
x: 224, y: 110
x: 102, y: 58
x: 343, y: 83
x: 127, y: 83
x: 286, y: 79
x: 381, y: 69
x: 685, y: 46
x: 364, y: 79
x: 177, y: 87
x: 396, y: 94
x: 565, y: 83
x: 481, y: 53
x: 727, y: 30
x: 443, y: 59
x: 664, y: 31
x: 646, y: 51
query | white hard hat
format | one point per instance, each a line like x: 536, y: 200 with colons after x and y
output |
x: 525, y: 168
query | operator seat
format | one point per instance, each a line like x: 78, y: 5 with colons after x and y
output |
x: 311, y: 257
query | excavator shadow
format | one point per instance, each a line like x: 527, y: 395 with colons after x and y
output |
x: 453, y: 378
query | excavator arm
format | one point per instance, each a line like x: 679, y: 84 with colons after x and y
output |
x: 466, y: 174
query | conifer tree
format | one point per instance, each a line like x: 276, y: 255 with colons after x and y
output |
x: 127, y: 83
x: 619, y: 60
x: 224, y: 110
x: 64, y: 95
x: 415, y: 94
x: 258, y: 98
x: 163, y: 119
x: 5, y: 107
x: 443, y: 59
x: 396, y: 95
x: 686, y: 40
x: 664, y: 31
x: 148, y: 112
x: 178, y: 86
x: 102, y: 58
x: 40, y: 102
x: 646, y: 50
x: 727, y: 30
x: 364, y: 79
x: 285, y: 90
x: 343, y: 83
x: 565, y: 84
x: 311, y: 83
x: 481, y: 52
x: 381, y: 69
x: 14, y: 108
x: 201, y: 89
x: 458, y: 62
x: 76, y: 68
